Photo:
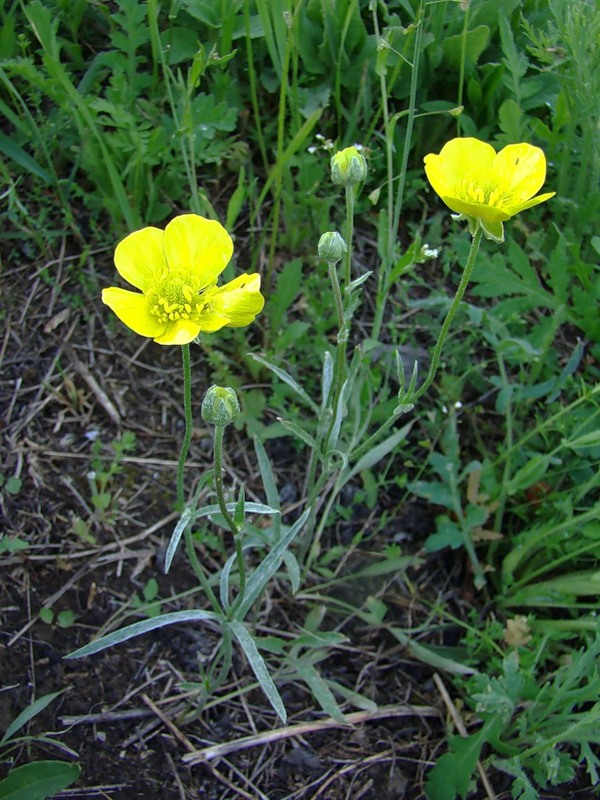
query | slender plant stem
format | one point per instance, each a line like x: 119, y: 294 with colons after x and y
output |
x: 340, y: 355
x: 464, y: 281
x: 219, y: 430
x: 187, y: 437
x: 190, y: 549
x: 183, y: 454
x: 349, y: 234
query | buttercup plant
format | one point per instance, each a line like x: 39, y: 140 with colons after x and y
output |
x: 176, y: 272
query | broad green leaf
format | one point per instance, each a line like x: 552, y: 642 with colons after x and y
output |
x: 451, y: 775
x: 435, y: 491
x: 139, y: 628
x: 259, y: 667
x: 533, y: 471
x: 470, y: 45
x: 39, y: 780
x: 448, y: 534
x: 496, y: 279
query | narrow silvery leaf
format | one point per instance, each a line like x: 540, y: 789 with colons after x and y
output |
x: 357, y: 282
x: 286, y: 378
x: 327, y: 378
x: 183, y: 522
x: 320, y: 690
x: 249, y: 508
x: 139, y: 628
x: 381, y: 450
x: 238, y: 514
x: 266, y: 473
x: 259, y: 667
x: 224, y: 581
x: 293, y: 570
x: 29, y: 713
x: 299, y: 432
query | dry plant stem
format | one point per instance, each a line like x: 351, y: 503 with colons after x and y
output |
x: 303, y: 728
x: 464, y: 281
x: 458, y: 723
x: 219, y: 430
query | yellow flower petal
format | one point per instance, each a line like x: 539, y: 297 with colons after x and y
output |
x: 487, y: 213
x: 132, y: 309
x: 197, y: 246
x: 456, y: 159
x: 211, y: 321
x: 540, y: 198
x: 140, y: 256
x: 521, y: 168
x: 182, y: 331
x: 239, y: 300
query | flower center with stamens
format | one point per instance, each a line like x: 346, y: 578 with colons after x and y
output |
x: 483, y: 194
x: 172, y: 299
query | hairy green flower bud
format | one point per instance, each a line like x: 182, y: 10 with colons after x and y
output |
x: 348, y: 167
x: 332, y: 247
x: 220, y: 406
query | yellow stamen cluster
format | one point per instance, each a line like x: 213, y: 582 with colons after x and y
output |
x: 489, y: 195
x: 169, y: 301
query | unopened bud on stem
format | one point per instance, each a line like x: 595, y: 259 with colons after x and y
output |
x: 348, y: 167
x: 332, y: 248
x: 220, y: 406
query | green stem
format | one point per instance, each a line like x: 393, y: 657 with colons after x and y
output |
x: 340, y: 355
x: 219, y: 430
x: 190, y: 548
x: 349, y: 235
x: 187, y: 437
x: 183, y: 454
x: 464, y: 281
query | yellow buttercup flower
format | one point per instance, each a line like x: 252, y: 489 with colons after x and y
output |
x: 176, y: 271
x: 486, y: 187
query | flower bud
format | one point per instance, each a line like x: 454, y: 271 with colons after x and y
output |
x: 332, y: 247
x: 348, y: 167
x: 220, y: 406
